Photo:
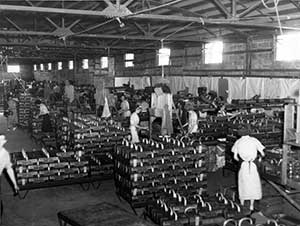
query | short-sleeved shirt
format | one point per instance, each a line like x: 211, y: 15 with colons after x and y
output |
x: 193, y: 122
x: 247, y: 148
x: 56, y: 89
x: 43, y: 109
x: 5, y: 162
x: 134, y: 119
x: 125, y: 108
x: 69, y: 92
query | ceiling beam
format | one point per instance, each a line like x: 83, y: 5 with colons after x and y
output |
x: 47, y: 18
x: 140, y: 28
x: 52, y: 22
x: 209, y: 31
x: 250, y: 9
x: 176, y: 9
x: 109, y: 3
x: 123, y: 37
x: 238, y: 31
x: 128, y: 2
x: 253, y: 23
x: 233, y: 8
x: 295, y: 3
x: 13, y: 24
x: 222, y: 8
x: 258, y: 10
x: 52, y: 45
x: 160, y: 29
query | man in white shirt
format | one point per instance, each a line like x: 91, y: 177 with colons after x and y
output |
x: 193, y: 122
x: 44, y: 114
x: 69, y: 91
x: 125, y: 109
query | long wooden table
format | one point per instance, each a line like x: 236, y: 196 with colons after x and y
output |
x: 102, y: 214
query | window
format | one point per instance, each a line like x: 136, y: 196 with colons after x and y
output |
x: 288, y: 47
x: 214, y: 52
x: 164, y: 56
x: 13, y: 68
x: 49, y: 66
x: 85, y: 63
x: 71, y: 64
x: 59, y: 65
x: 104, y: 62
x: 41, y: 67
x: 35, y: 67
x: 129, y: 57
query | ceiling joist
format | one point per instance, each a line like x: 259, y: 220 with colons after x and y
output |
x: 103, y: 36
x: 222, y: 8
x: 62, y: 27
x: 156, y: 17
x: 251, y: 8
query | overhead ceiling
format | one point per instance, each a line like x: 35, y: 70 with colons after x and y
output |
x: 50, y: 30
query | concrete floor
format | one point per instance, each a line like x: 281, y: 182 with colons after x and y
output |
x: 40, y: 206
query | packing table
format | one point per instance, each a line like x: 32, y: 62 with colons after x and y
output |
x: 102, y: 214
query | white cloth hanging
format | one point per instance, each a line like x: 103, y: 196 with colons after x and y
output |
x: 249, y: 184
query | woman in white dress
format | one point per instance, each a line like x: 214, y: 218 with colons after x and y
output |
x: 134, y: 125
x: 125, y: 108
x: 249, y: 184
x: 193, y: 122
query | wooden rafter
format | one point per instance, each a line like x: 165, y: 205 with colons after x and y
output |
x: 105, y: 36
x: 52, y: 22
x: 140, y: 28
x: 128, y: 2
x: 109, y: 3
x: 160, y: 29
x: 250, y: 9
x: 258, y: 10
x: 209, y: 31
x: 223, y: 9
x: 253, y: 23
x: 295, y: 3
x: 233, y: 8
x: 52, y: 45
x: 13, y: 23
x: 238, y: 31
x: 180, y: 10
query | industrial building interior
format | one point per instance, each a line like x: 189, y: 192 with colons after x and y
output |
x: 149, y: 112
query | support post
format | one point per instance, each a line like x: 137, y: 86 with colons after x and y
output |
x: 233, y: 8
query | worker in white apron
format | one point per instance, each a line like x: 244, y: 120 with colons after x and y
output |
x: 249, y: 184
x: 134, y: 125
x: 193, y: 122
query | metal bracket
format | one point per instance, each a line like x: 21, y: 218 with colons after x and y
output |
x: 85, y: 188
x: 96, y: 186
x: 23, y: 196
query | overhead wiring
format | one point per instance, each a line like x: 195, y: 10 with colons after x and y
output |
x: 276, y: 3
x: 154, y: 8
x: 123, y: 17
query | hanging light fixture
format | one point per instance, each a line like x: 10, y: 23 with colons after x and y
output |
x: 163, y: 55
x: 120, y: 22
